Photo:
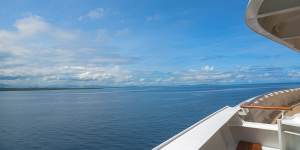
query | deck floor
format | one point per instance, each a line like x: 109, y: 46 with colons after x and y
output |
x: 248, y: 146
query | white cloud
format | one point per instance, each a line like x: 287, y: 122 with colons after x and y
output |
x: 112, y: 74
x: 35, y: 41
x: 208, y: 74
x: 93, y: 14
x: 85, y: 75
x: 205, y: 75
x: 294, y: 74
x: 61, y: 74
x: 208, y: 68
x: 37, y: 51
x: 32, y: 25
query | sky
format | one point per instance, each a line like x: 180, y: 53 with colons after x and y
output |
x: 87, y: 43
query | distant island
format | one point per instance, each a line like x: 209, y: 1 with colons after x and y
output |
x: 42, y: 89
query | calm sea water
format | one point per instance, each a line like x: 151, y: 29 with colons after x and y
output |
x: 131, y: 118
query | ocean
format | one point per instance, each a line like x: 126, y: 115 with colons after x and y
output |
x: 126, y: 118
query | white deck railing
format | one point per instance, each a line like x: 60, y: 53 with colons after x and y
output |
x: 199, y: 133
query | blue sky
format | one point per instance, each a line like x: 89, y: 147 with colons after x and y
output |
x: 118, y: 43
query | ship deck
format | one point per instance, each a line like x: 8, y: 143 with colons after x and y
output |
x: 254, y: 121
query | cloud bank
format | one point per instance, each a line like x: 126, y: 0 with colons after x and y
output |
x: 38, y: 53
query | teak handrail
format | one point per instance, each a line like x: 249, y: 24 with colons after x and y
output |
x: 266, y: 107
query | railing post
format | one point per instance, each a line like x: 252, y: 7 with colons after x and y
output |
x: 281, y: 139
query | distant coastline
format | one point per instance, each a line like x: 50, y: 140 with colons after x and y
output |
x: 41, y: 89
x: 145, y: 86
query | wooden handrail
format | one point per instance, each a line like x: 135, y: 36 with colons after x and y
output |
x: 266, y: 107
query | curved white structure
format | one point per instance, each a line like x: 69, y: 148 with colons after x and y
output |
x: 278, y: 20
